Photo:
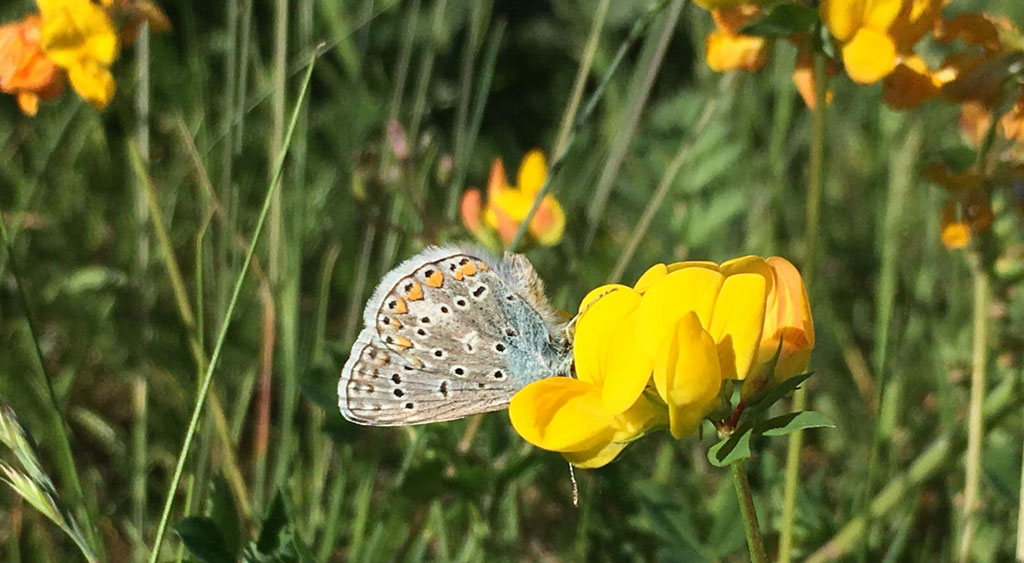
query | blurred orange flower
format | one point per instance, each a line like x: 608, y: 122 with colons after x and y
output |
x: 507, y: 206
x: 25, y: 71
x: 728, y: 49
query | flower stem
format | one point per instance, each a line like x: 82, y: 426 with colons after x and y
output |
x: 814, y: 188
x: 755, y: 543
x: 976, y: 427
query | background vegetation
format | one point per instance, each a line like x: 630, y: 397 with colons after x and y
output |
x: 126, y: 241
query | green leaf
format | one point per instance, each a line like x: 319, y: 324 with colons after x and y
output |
x: 277, y: 541
x: 784, y: 20
x: 203, y: 540
x: 775, y: 394
x: 788, y: 423
x: 224, y: 513
x: 274, y: 535
x: 730, y: 449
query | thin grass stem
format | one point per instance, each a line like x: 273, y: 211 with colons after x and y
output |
x: 221, y: 337
x: 637, y: 31
x: 83, y: 508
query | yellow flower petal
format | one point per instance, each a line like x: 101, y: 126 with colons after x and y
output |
x: 77, y: 30
x: 706, y: 264
x: 880, y: 14
x: 842, y: 17
x: 737, y: 322
x: 687, y: 375
x: 787, y: 321
x: 688, y: 289
x: 561, y: 414
x: 869, y: 56
x: 596, y: 327
x: 595, y: 457
x: 532, y: 173
x: 653, y: 274
x: 628, y: 367
x: 93, y: 82
x: 727, y: 51
x: 548, y: 223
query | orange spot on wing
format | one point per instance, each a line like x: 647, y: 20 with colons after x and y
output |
x: 436, y: 279
x: 469, y: 269
x: 416, y: 293
x: 458, y: 275
x: 483, y: 267
x: 402, y: 342
x: 401, y: 308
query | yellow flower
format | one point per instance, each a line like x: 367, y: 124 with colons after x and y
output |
x: 968, y: 209
x: 507, y: 206
x: 657, y: 353
x: 25, y: 71
x: 727, y: 49
x: 877, y: 35
x: 79, y: 36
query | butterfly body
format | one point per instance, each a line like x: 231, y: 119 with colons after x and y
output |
x: 449, y: 333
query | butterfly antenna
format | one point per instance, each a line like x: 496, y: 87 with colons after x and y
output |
x: 575, y: 489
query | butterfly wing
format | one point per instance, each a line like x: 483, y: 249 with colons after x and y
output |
x: 449, y: 333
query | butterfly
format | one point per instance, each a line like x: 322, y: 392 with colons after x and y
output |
x: 449, y: 333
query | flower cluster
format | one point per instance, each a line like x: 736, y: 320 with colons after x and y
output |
x: 70, y: 40
x: 666, y: 353
x: 876, y: 41
x: 496, y: 222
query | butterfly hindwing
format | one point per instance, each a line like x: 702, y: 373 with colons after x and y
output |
x: 448, y: 333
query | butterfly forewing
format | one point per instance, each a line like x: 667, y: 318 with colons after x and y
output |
x: 448, y: 334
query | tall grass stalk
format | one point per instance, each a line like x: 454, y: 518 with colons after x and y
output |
x: 586, y: 62
x: 976, y: 420
x: 226, y: 323
x: 639, y: 28
x: 667, y: 181
x: 627, y: 127
x: 483, y: 88
x: 815, y: 184
x: 140, y: 404
x: 82, y: 507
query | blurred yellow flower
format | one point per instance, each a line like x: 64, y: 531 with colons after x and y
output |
x: 79, y: 37
x: 728, y: 49
x: 875, y: 36
x: 656, y: 354
x: 25, y: 71
x: 507, y: 206
x: 968, y: 209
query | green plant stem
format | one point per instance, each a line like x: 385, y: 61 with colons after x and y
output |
x: 814, y: 189
x: 976, y: 422
x: 239, y: 282
x: 755, y: 543
x: 942, y: 452
x: 635, y: 33
x: 1020, y: 513
x: 84, y: 509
